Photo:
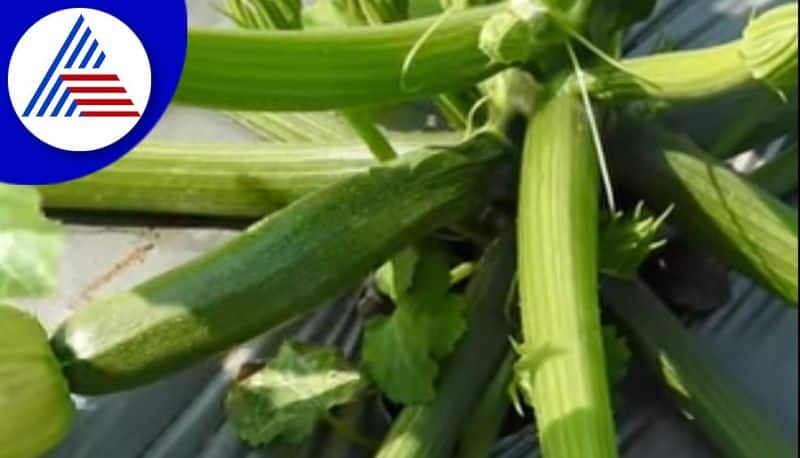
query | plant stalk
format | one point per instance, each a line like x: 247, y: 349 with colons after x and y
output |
x: 481, y: 431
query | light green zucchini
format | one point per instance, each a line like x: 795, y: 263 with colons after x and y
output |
x: 222, y: 180
x: 561, y: 371
x: 323, y: 69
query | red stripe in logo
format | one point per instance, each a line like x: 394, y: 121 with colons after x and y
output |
x: 96, y: 102
x: 110, y: 114
x: 97, y: 90
x: 97, y: 77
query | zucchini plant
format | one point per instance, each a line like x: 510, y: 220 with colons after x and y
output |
x: 479, y: 253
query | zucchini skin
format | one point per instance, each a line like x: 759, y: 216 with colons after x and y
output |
x: 278, y: 269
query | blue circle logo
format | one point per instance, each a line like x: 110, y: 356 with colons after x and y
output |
x: 86, y: 84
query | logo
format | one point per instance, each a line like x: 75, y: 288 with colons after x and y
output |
x: 87, y: 81
x: 79, y: 79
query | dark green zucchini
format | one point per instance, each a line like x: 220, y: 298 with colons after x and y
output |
x: 278, y: 269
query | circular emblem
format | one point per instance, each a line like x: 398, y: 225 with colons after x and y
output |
x: 86, y: 83
x: 79, y: 79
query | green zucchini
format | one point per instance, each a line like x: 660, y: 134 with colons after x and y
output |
x: 766, y: 54
x: 210, y: 180
x: 278, y: 269
x: 715, y: 207
x: 227, y: 180
x: 712, y: 398
x: 561, y: 371
x: 332, y: 68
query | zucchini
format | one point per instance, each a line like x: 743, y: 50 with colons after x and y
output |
x: 561, y: 370
x: 746, y: 227
x: 324, y: 69
x: 712, y: 398
x: 210, y: 180
x: 227, y: 180
x: 766, y: 54
x: 276, y: 270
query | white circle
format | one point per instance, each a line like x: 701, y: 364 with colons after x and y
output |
x: 107, y: 111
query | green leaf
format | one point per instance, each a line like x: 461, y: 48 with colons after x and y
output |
x: 396, y: 358
x: 293, y: 392
x: 400, y: 352
x: 30, y: 244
